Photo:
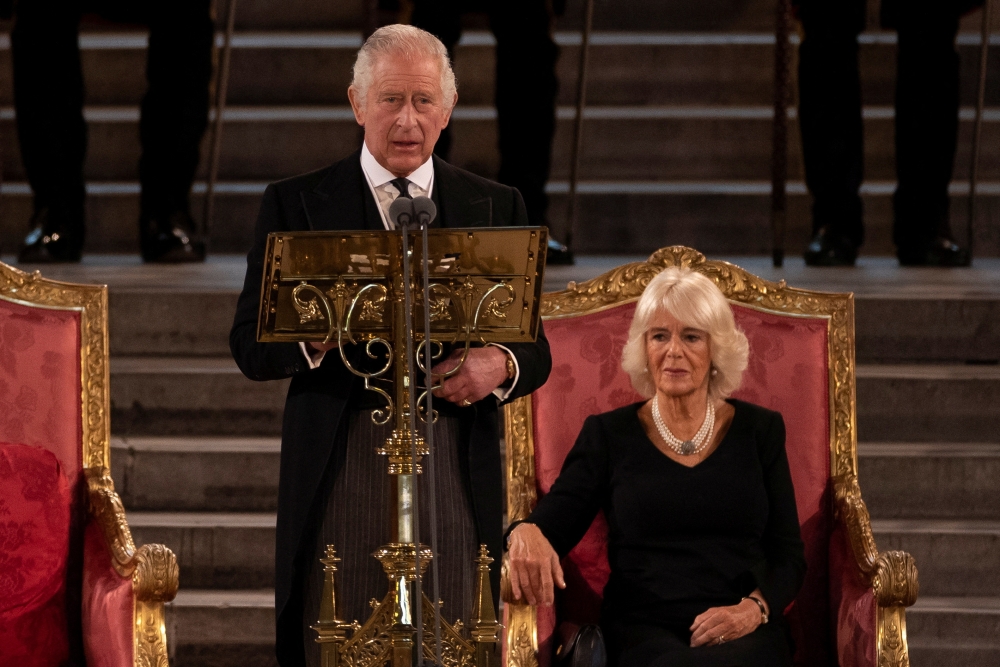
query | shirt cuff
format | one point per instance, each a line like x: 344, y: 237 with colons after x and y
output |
x: 503, y: 393
x: 315, y: 358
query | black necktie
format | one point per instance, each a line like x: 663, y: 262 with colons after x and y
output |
x: 403, y: 185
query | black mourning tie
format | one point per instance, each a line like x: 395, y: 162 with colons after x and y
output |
x: 403, y: 185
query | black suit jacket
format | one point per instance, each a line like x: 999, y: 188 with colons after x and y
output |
x: 338, y: 198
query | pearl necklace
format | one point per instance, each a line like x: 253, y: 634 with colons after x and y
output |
x: 685, y: 447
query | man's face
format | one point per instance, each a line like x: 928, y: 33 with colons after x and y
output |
x: 403, y: 112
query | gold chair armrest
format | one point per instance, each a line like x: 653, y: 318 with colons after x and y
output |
x: 891, y: 574
x: 152, y: 568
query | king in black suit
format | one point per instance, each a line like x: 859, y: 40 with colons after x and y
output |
x: 340, y: 197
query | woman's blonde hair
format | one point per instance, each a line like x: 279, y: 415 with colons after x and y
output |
x: 697, y: 302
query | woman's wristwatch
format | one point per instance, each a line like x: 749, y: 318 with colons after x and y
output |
x: 760, y: 603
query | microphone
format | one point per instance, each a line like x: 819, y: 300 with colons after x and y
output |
x: 401, y: 211
x: 424, y: 210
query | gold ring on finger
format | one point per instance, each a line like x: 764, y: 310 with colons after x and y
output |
x: 465, y: 403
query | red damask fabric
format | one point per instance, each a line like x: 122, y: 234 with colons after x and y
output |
x: 35, y: 518
x: 787, y: 372
x: 40, y: 381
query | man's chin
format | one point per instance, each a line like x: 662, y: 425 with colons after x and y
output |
x: 405, y: 164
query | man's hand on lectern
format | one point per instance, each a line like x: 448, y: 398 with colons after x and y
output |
x: 322, y: 347
x: 484, y: 370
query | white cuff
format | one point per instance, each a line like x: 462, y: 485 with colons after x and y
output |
x: 502, y: 394
x: 313, y: 357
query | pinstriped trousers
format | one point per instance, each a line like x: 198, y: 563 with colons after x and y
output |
x: 357, y: 522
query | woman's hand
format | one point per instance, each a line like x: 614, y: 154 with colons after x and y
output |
x: 534, y: 565
x: 724, y: 624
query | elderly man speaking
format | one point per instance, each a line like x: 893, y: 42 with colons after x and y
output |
x: 333, y: 487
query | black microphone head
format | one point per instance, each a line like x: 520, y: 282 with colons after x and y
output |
x: 424, y: 210
x: 401, y: 211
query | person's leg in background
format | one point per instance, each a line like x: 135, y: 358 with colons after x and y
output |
x: 443, y: 19
x: 927, y: 90
x: 526, y: 89
x: 831, y: 127
x: 48, y: 101
x: 173, y: 122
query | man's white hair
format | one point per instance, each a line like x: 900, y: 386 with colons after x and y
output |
x: 697, y: 302
x: 409, y: 42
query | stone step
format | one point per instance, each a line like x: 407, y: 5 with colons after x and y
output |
x: 197, y: 474
x: 221, y: 628
x: 626, y: 68
x: 954, y: 632
x: 930, y: 480
x: 226, y: 628
x: 236, y: 549
x: 187, y: 396
x: 213, y: 549
x: 634, y: 143
x: 890, y: 328
x: 928, y: 403
x: 615, y: 217
x: 954, y: 558
x: 209, y: 396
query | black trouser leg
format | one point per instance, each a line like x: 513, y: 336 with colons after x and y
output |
x: 927, y: 82
x: 443, y: 19
x: 830, y: 113
x: 48, y: 100
x: 175, y: 107
x: 526, y: 88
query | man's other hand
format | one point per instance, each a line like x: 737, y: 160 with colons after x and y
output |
x: 322, y: 347
x: 484, y: 370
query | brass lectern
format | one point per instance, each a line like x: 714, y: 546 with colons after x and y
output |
x: 404, y: 297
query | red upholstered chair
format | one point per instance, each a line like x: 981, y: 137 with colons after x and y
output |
x: 73, y: 587
x: 851, y: 610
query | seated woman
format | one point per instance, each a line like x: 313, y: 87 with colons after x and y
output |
x: 704, y: 541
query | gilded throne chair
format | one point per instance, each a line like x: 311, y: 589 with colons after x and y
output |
x: 74, y: 589
x: 851, y: 609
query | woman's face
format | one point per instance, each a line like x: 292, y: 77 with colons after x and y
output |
x: 679, y: 356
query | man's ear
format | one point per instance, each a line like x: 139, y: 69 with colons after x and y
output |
x: 447, y: 117
x: 359, y: 111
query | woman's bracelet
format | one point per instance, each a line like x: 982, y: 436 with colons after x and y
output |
x: 760, y: 604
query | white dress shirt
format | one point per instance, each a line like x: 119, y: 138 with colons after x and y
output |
x: 421, y: 185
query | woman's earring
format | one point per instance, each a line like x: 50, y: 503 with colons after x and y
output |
x: 646, y: 369
x: 715, y: 371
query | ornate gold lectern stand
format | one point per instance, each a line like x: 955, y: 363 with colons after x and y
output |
x: 359, y: 288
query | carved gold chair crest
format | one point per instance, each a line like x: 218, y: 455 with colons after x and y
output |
x: 54, y: 393
x: 851, y: 610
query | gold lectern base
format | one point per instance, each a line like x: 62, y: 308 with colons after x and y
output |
x: 389, y: 635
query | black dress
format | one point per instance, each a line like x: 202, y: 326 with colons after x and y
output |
x: 682, y: 540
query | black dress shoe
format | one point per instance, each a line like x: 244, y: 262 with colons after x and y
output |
x: 170, y: 240
x: 830, y: 249
x: 942, y: 251
x: 558, y: 254
x: 51, y: 240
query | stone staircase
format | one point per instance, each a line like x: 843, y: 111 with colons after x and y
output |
x: 677, y: 151
x: 195, y: 451
x: 677, y: 135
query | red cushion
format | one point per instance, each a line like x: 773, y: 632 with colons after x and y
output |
x: 787, y: 372
x: 35, y: 513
